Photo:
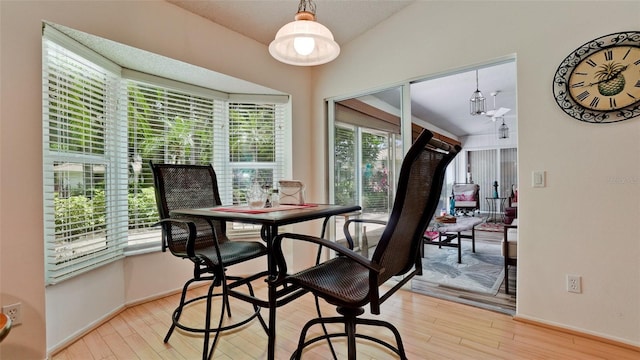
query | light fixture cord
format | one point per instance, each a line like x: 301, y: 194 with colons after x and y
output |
x: 307, y: 6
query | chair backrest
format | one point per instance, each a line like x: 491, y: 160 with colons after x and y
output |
x: 187, y: 186
x: 419, y: 187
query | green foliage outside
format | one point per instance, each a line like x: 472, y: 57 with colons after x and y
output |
x: 164, y: 131
x: 142, y: 208
x: 375, y: 188
x: 79, y: 214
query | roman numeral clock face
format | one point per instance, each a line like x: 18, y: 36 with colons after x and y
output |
x: 600, y: 81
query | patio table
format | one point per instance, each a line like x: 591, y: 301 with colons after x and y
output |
x: 271, y: 219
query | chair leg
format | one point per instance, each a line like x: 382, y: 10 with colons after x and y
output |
x: 303, y: 334
x: 216, y: 280
x: 225, y: 295
x: 178, y: 311
x: 350, y: 320
x: 350, y: 330
x: 372, y: 322
x: 206, y: 352
x: 324, y: 328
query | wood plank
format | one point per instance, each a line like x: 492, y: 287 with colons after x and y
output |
x: 431, y: 328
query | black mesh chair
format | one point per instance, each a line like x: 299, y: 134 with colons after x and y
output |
x: 201, y: 241
x: 351, y: 281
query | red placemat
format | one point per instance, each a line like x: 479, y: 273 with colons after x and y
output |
x: 248, y: 210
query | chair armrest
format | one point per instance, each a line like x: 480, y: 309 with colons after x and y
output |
x: 347, y: 234
x: 343, y: 251
x: 190, y: 228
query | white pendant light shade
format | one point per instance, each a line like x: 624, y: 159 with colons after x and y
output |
x: 304, y: 42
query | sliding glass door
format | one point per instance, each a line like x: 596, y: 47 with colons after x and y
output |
x: 367, y: 152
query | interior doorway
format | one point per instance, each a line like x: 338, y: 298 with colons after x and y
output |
x: 439, y: 103
x: 489, y: 159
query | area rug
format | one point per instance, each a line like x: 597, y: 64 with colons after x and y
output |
x: 490, y: 226
x: 481, y: 272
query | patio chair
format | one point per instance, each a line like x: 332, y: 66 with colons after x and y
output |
x: 350, y: 281
x: 201, y: 241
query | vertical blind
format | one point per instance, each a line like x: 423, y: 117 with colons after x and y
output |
x: 100, y: 130
x: 508, y: 170
x: 485, y: 171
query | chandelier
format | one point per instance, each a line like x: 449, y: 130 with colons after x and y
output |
x: 477, y: 102
x: 503, y: 130
x: 304, y: 42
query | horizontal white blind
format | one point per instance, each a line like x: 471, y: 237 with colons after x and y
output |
x: 375, y: 173
x: 251, y: 149
x: 345, y: 154
x: 101, y: 129
x: 82, y: 178
x: 166, y: 125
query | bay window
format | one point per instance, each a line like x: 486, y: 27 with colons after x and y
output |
x: 103, y: 124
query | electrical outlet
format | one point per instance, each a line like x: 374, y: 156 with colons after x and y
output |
x: 574, y: 284
x: 14, y: 311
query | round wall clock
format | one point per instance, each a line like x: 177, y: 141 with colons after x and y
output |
x: 599, y: 82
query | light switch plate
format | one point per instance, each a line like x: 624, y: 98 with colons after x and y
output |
x: 538, y: 179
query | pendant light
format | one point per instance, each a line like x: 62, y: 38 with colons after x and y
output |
x: 477, y: 102
x: 503, y: 130
x: 304, y: 42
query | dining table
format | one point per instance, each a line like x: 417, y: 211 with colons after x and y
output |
x: 270, y: 220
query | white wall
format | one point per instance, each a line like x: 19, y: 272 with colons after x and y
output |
x: 585, y: 221
x: 154, y: 26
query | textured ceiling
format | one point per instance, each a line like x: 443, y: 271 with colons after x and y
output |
x: 261, y: 19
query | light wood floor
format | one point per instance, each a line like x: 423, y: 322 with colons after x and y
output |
x: 431, y: 329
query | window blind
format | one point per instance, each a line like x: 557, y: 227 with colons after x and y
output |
x: 165, y: 126
x: 83, y: 181
x: 508, y: 170
x: 483, y: 165
x: 375, y: 173
x: 100, y: 130
x: 251, y: 150
x: 345, y: 156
